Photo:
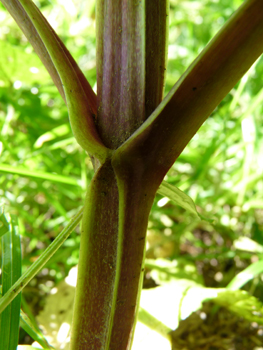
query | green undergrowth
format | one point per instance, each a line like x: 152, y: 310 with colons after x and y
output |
x: 198, y: 244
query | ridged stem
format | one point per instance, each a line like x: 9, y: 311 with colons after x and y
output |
x: 97, y: 263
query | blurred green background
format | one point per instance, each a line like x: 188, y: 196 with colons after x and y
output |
x: 44, y: 173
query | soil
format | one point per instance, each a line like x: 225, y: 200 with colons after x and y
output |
x: 213, y: 328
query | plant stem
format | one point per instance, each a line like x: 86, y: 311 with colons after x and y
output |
x: 130, y: 78
x: 120, y: 69
x: 136, y: 199
x: 97, y: 263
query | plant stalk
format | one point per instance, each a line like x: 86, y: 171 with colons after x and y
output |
x: 97, y: 263
x: 131, y: 61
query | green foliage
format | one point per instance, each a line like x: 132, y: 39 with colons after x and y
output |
x: 43, y: 171
x: 242, y: 304
x: 11, y: 271
x: 33, y: 331
x: 246, y: 275
x: 32, y: 71
x: 177, y: 196
x: 4, y: 226
x: 18, y: 284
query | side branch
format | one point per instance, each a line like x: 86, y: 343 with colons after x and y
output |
x: 80, y: 98
x: 163, y: 136
x: 22, y: 19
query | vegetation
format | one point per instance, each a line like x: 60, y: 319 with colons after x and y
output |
x: 191, y: 256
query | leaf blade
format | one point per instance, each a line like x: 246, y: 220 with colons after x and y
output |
x: 11, y: 271
x: 34, y: 333
x: 178, y: 196
x: 38, y: 174
x: 16, y: 273
x: 246, y: 275
x: 4, y: 226
x: 18, y: 286
x: 6, y: 284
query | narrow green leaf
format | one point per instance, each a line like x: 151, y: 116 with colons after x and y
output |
x: 52, y: 134
x: 4, y: 226
x: 11, y: 271
x: 6, y: 284
x: 16, y: 273
x: 179, y: 197
x: 62, y: 143
x: 248, y: 245
x: 240, y: 88
x: 40, y: 263
x: 150, y: 321
x: 26, y: 309
x: 33, y: 331
x: 257, y: 100
x: 38, y: 174
x: 29, y: 347
x: 246, y: 275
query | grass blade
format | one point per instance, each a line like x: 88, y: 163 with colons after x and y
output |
x: 38, y: 174
x: 59, y: 131
x: 6, y: 284
x: 152, y: 322
x: 30, y: 347
x: 16, y: 273
x: 4, y: 226
x: 178, y: 196
x: 11, y: 271
x: 40, y: 263
x: 246, y: 275
x: 34, y: 332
